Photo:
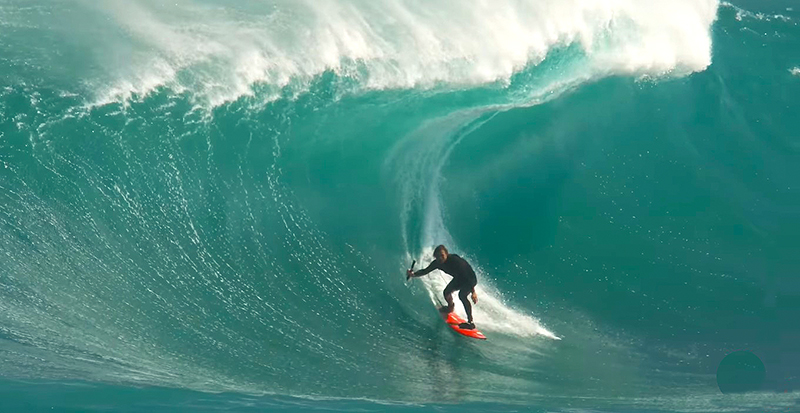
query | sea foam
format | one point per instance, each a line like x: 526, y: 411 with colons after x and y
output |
x: 222, y: 52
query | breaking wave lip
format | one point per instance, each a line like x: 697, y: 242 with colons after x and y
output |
x: 742, y: 14
x: 221, y: 56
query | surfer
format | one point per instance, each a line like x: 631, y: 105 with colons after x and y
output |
x: 464, y: 280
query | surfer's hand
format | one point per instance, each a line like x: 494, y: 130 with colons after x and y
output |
x: 474, y: 297
x: 409, y: 274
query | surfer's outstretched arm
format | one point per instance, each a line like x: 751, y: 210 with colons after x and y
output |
x: 420, y: 273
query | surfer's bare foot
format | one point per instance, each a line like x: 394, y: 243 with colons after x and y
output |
x: 447, y: 308
x: 467, y: 326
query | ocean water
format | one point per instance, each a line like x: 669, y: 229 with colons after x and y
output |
x: 208, y: 206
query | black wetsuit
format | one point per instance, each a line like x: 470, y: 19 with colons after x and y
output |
x: 464, y: 279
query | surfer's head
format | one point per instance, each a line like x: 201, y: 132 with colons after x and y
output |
x: 440, y: 253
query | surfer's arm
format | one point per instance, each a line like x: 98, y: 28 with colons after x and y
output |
x: 474, y: 296
x: 420, y: 273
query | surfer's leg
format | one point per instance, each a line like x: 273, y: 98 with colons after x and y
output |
x: 463, y: 295
x: 448, y: 294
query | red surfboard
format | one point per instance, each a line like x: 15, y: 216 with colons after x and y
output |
x: 453, y: 320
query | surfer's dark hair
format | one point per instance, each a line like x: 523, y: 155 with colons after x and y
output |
x: 440, y: 248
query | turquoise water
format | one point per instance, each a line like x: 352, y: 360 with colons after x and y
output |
x: 207, y: 206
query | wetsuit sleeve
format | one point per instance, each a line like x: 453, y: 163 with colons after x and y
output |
x: 424, y: 271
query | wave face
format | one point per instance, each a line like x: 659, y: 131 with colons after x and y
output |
x: 217, y: 197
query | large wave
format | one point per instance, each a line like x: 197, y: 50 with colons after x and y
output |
x: 224, y: 196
